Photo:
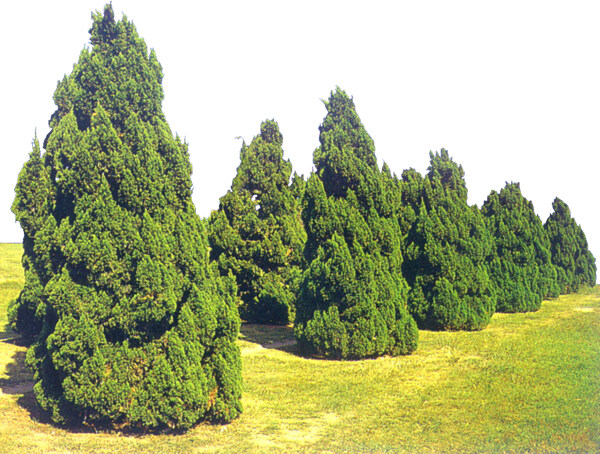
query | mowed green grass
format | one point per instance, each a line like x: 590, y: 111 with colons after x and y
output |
x: 527, y: 383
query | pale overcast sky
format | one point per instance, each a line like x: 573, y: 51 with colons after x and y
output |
x: 511, y: 89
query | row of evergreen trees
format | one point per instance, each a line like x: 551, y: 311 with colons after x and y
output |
x: 381, y: 251
x: 133, y: 303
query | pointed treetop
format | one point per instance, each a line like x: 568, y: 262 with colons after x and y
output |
x: 346, y: 154
x: 451, y: 175
x: 269, y: 131
x: 104, y: 27
x: 561, y: 208
x: 118, y: 73
x: 343, y: 129
x: 261, y: 163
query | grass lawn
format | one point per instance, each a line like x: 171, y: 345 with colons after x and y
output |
x: 527, y: 383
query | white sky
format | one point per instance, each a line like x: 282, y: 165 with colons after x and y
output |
x: 511, y: 89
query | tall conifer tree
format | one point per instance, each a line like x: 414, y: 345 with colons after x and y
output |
x: 446, y: 250
x: 521, y: 268
x: 352, y: 301
x: 575, y: 264
x: 134, y: 327
x: 257, y: 233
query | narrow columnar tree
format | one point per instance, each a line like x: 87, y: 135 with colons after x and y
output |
x: 352, y: 301
x: 132, y: 326
x: 32, y: 205
x: 575, y: 264
x: 446, y: 250
x: 257, y: 233
x: 520, y: 268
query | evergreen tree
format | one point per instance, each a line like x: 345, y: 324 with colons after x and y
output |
x: 446, y: 250
x: 134, y: 329
x: 575, y: 264
x: 257, y: 233
x: 33, y: 200
x: 352, y: 301
x: 520, y: 268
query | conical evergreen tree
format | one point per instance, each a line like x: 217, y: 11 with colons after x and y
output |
x: 134, y: 328
x: 521, y: 268
x: 32, y: 204
x: 446, y: 250
x: 257, y: 233
x: 575, y: 264
x: 352, y: 301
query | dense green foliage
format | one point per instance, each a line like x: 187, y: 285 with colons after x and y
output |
x: 575, y: 264
x: 352, y: 301
x: 447, y: 248
x: 257, y: 233
x: 134, y: 328
x: 520, y: 269
x: 32, y: 204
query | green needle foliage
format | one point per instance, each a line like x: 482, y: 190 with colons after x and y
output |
x: 257, y: 233
x: 32, y: 204
x: 446, y: 250
x: 352, y: 301
x: 521, y: 268
x: 134, y: 329
x: 575, y: 264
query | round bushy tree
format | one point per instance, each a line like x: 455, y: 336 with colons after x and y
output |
x: 352, y: 301
x: 520, y: 268
x: 134, y: 329
x: 446, y: 250
x: 575, y: 264
x: 257, y: 233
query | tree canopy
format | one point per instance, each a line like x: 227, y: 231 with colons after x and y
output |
x: 257, y: 233
x: 575, y: 264
x: 133, y: 327
x: 352, y: 301
x: 446, y: 250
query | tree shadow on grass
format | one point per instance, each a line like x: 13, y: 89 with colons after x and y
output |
x: 19, y: 378
x: 19, y: 382
x: 8, y: 336
x: 277, y: 337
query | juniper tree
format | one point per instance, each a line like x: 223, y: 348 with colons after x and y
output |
x: 134, y: 329
x: 257, y: 233
x: 33, y: 199
x: 352, y: 301
x: 520, y: 268
x: 446, y: 250
x: 575, y: 264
